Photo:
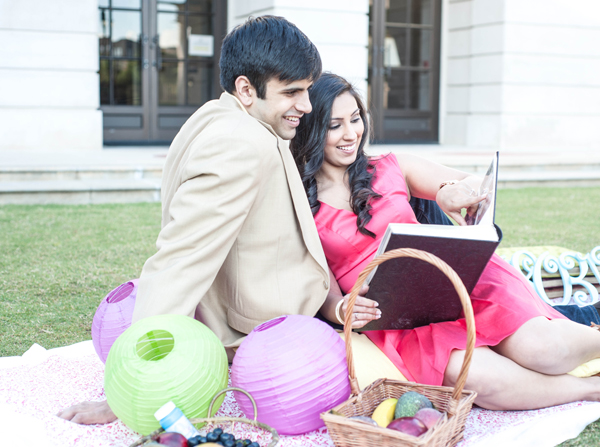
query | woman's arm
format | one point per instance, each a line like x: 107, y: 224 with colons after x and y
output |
x: 424, y: 178
x: 364, y: 308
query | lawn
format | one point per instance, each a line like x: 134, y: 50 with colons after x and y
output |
x: 58, y: 262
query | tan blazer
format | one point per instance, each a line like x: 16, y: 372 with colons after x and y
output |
x: 238, y: 244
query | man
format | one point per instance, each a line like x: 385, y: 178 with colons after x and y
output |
x: 238, y: 244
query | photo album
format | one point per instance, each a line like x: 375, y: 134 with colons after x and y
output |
x: 412, y: 292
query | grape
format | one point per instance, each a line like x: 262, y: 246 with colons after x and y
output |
x: 196, y: 440
x: 226, y: 437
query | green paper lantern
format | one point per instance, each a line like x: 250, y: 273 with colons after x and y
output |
x: 161, y: 359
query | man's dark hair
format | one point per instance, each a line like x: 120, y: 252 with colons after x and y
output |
x: 267, y: 47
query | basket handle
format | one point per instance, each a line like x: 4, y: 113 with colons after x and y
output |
x: 460, y: 289
x: 233, y: 389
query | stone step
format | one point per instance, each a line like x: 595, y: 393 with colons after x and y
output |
x: 524, y: 169
x: 80, y: 192
x: 35, y: 174
x: 118, y: 190
x: 132, y: 175
x: 511, y: 170
x: 548, y: 178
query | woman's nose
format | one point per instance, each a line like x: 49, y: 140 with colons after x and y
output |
x: 350, y: 133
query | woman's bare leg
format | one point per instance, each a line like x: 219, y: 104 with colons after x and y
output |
x: 551, y: 346
x: 502, y: 384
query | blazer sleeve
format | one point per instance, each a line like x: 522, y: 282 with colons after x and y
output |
x: 220, y: 183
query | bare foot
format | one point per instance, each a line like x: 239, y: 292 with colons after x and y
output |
x: 88, y: 413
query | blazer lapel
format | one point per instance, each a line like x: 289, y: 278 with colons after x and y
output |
x: 301, y: 205
x: 305, y: 218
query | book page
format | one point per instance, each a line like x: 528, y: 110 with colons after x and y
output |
x: 487, y: 208
x: 478, y: 232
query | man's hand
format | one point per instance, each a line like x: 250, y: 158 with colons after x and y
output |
x: 452, y: 199
x: 88, y: 413
x: 365, y: 310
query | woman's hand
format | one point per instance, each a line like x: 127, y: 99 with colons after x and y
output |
x: 365, y: 309
x: 452, y: 199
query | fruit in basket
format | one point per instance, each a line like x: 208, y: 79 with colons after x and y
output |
x: 429, y: 416
x: 364, y: 420
x: 196, y: 440
x: 409, y: 403
x: 409, y: 425
x: 172, y: 439
x: 384, y: 413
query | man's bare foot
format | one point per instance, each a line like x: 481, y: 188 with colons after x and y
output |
x: 88, y: 413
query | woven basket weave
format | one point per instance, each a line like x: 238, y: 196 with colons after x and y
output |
x: 455, y: 402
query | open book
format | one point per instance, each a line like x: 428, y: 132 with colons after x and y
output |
x: 413, y: 293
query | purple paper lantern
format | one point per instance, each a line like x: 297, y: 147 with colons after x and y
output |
x: 113, y: 316
x: 295, y: 368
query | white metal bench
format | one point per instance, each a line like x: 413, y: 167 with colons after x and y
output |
x: 570, y: 278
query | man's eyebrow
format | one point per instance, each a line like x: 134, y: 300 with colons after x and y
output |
x: 353, y: 113
x: 292, y: 90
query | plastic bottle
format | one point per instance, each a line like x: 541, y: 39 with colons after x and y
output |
x: 172, y: 419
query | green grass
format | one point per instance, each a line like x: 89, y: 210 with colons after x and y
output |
x: 58, y: 262
x: 567, y: 217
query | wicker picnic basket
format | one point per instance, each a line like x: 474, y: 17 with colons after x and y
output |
x: 227, y: 422
x: 455, y: 402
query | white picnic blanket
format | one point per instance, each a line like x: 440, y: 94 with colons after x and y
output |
x: 36, y: 385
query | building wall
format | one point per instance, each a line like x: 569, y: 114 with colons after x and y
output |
x: 49, y: 87
x: 339, y: 29
x: 522, y: 74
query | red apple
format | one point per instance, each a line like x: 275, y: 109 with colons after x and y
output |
x: 171, y: 439
x: 409, y: 425
x: 428, y: 416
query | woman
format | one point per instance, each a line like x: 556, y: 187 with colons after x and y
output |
x: 524, y: 347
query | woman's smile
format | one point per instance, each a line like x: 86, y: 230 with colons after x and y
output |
x: 347, y: 148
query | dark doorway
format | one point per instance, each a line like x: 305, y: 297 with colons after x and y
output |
x: 158, y: 64
x: 404, y: 70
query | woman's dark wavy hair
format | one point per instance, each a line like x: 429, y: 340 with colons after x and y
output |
x: 309, y: 144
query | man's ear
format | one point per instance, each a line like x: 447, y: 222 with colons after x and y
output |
x: 244, y: 91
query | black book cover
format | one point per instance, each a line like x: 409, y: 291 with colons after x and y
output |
x: 413, y: 293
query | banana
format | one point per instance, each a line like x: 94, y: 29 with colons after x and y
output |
x: 384, y: 413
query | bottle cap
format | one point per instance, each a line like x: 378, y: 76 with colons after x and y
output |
x: 165, y: 410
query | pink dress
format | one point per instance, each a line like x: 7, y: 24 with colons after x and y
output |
x: 502, y: 299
